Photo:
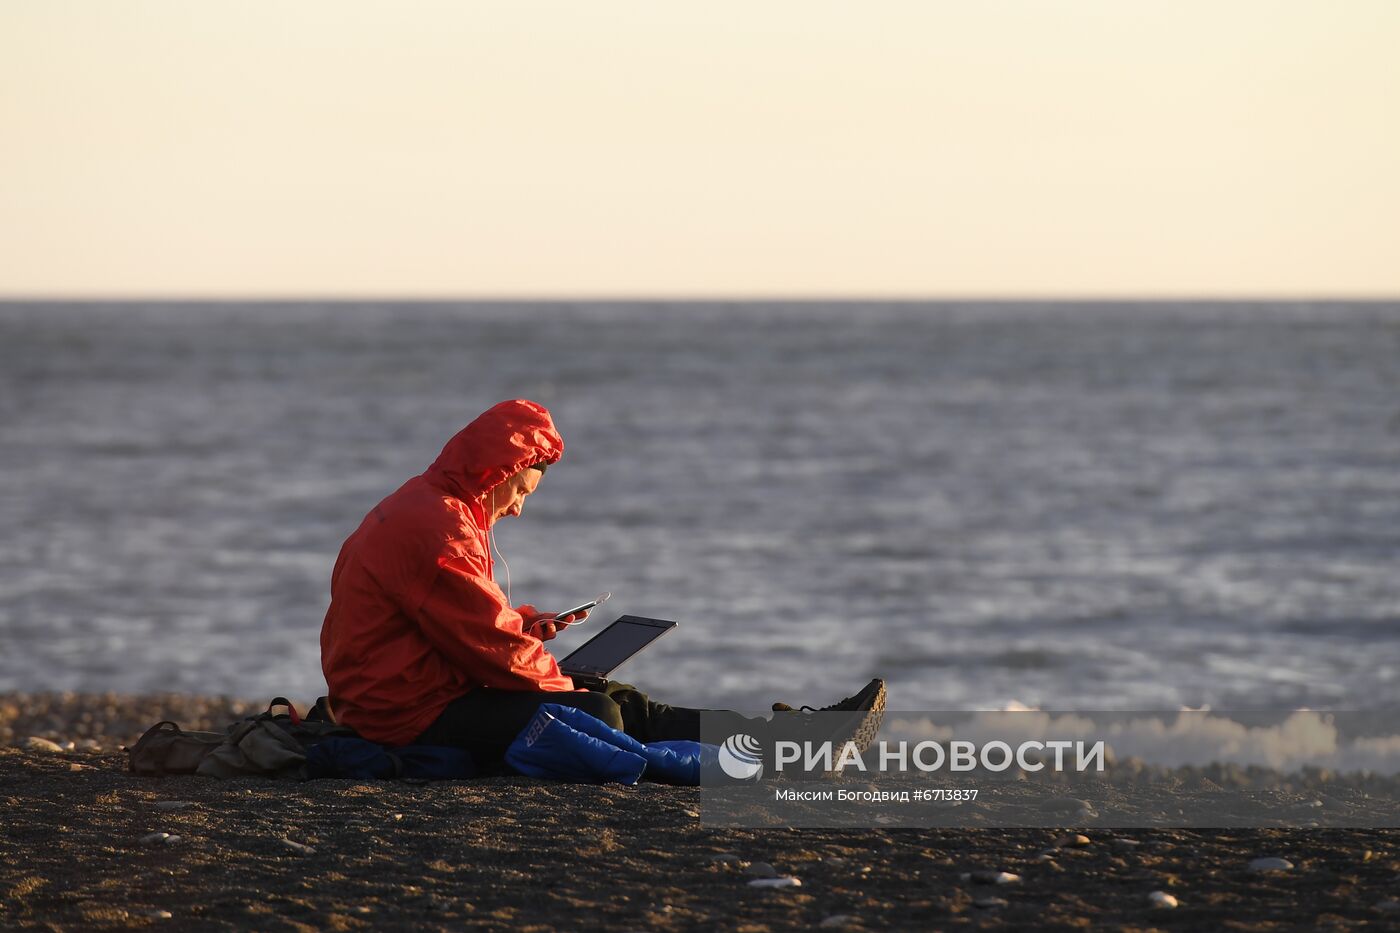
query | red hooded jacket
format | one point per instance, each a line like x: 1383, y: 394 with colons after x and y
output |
x: 416, y: 618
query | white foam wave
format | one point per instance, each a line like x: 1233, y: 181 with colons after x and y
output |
x: 1303, y: 738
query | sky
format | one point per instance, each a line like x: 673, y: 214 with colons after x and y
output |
x: 1058, y: 148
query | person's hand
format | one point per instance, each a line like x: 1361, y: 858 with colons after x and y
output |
x: 546, y: 625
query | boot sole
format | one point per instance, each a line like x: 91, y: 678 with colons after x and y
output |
x: 863, y: 731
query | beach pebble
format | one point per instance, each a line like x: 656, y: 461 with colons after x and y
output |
x: 1072, y: 840
x: 990, y: 903
x: 835, y: 861
x: 298, y: 848
x: 1162, y: 899
x: 1388, y: 906
x: 761, y: 870
x: 34, y: 743
x: 88, y: 745
x: 172, y: 840
x: 172, y: 804
x: 787, y: 881
x: 1070, y: 805
x: 726, y: 858
x: 160, y: 915
x: 693, y: 814
x: 1270, y: 864
x: 151, y: 839
x: 993, y: 877
x: 1127, y: 843
x: 836, y: 921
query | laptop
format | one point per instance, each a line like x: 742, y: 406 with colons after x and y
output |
x: 590, y: 663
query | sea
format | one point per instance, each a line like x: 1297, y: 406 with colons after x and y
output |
x: 1108, y: 506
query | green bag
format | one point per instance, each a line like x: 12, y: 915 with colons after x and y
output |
x: 165, y: 748
x: 269, y: 744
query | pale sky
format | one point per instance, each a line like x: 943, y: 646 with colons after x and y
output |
x: 738, y: 149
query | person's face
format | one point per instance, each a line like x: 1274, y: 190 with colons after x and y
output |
x: 509, y: 497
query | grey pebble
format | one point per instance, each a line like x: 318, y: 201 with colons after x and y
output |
x: 990, y: 903
x: 761, y: 870
x: 786, y: 881
x: 836, y: 921
x: 1162, y: 899
x: 298, y: 848
x: 151, y: 839
x: 835, y: 861
x: 726, y: 858
x: 1127, y: 843
x: 172, y: 840
x: 1270, y: 864
x: 172, y: 804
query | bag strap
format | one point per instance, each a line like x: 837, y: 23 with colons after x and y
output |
x: 291, y: 710
x: 174, y: 729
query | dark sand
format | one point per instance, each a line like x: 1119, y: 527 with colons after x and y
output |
x: 514, y: 853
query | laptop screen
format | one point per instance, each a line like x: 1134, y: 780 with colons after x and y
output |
x: 607, y: 650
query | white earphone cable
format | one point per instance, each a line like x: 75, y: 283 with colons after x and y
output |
x: 491, y: 541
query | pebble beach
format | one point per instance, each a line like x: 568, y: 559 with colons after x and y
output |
x: 85, y: 845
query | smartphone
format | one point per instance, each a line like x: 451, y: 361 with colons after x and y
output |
x: 584, y: 608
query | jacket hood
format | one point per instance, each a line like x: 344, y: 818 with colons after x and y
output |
x: 501, y: 442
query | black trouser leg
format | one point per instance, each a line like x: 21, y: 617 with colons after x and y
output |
x: 485, y: 721
x: 648, y: 721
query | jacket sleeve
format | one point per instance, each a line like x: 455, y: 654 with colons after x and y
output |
x: 466, y: 617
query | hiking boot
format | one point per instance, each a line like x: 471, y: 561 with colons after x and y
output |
x: 869, y: 700
x: 855, y: 720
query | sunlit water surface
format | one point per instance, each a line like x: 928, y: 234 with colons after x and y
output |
x: 1066, y: 506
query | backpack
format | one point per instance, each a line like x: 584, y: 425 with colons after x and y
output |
x: 285, y: 745
x: 269, y: 743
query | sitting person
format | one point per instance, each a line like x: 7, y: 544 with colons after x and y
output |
x: 420, y: 646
